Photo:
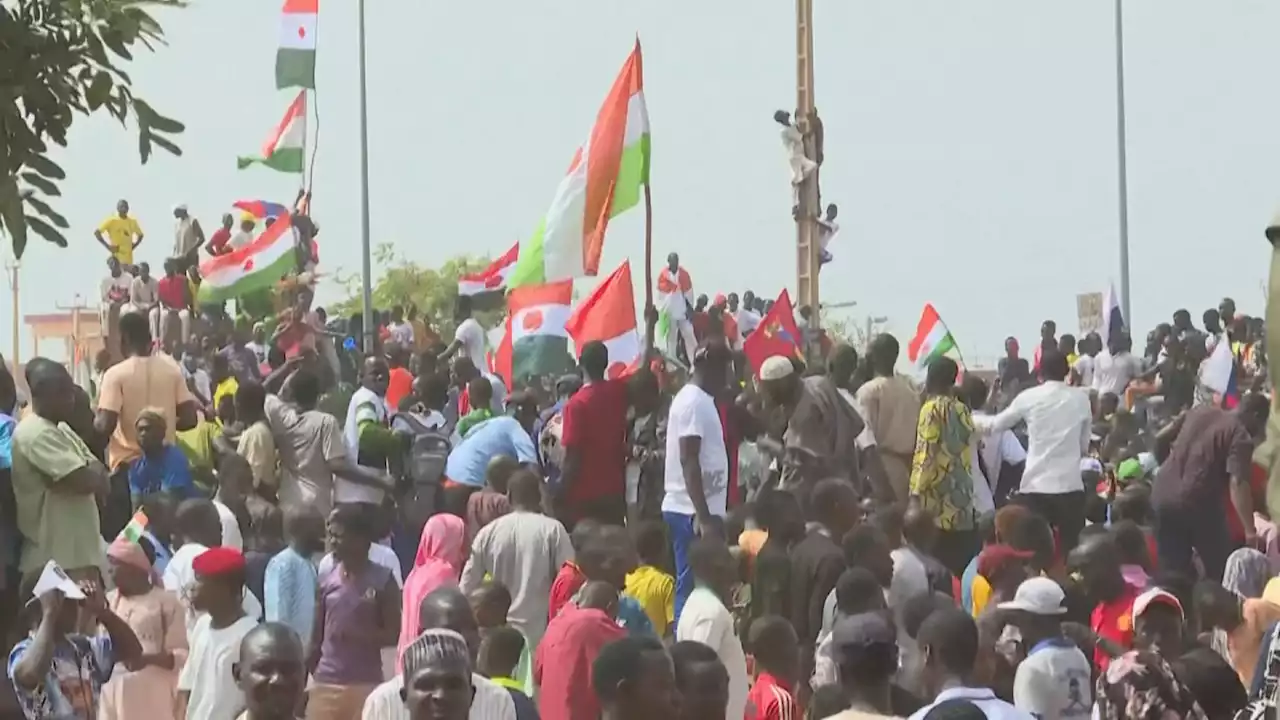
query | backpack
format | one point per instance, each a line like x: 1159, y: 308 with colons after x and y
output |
x: 424, y: 465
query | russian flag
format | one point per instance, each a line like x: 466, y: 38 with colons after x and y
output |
x: 261, y: 208
x: 1112, y: 318
x: 1218, y: 373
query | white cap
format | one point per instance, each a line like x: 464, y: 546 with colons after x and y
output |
x: 1156, y: 596
x: 776, y: 368
x: 55, y: 578
x: 1038, y: 596
x: 180, y: 206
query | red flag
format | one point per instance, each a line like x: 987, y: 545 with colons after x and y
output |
x: 777, y: 334
x: 608, y: 315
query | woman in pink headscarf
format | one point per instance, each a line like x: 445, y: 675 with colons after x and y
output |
x: 439, y: 562
x: 157, y: 618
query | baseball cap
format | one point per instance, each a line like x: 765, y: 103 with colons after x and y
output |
x: 1156, y: 596
x: 863, y: 630
x: 1038, y: 596
x: 53, y: 577
x: 1130, y: 469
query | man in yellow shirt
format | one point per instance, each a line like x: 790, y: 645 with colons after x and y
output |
x: 123, y: 234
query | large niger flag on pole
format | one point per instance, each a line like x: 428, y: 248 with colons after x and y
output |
x: 604, y: 179
x: 296, y: 58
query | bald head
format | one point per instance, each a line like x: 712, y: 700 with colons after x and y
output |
x: 446, y: 608
x: 274, y: 639
x: 843, y: 361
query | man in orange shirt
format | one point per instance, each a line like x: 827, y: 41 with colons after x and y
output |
x: 142, y: 380
x: 400, y: 383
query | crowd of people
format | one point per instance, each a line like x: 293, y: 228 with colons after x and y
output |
x: 214, y: 530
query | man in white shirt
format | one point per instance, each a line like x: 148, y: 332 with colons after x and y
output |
x: 401, y: 331
x: 696, y: 485
x: 115, y: 289
x: 948, y: 641
x: 1058, y: 419
x: 747, y: 317
x: 1053, y: 681
x: 366, y: 424
x: 1083, y: 369
x: 793, y: 142
x: 198, y: 528
x: 827, y: 231
x: 675, y: 300
x: 244, y: 235
x: 706, y: 617
x: 144, y: 298
x: 469, y: 338
x: 1115, y: 368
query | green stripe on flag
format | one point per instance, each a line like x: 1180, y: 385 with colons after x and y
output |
x: 540, y: 355
x: 290, y: 160
x: 253, y: 281
x: 295, y: 68
x: 531, y: 266
x: 944, y: 346
x: 633, y: 173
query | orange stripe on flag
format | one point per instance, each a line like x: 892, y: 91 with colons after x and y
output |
x: 604, y: 157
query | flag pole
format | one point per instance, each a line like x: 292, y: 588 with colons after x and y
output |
x: 366, y: 271
x: 650, y: 317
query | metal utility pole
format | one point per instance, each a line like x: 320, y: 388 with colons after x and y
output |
x: 370, y: 332
x: 1122, y: 167
x: 807, y: 245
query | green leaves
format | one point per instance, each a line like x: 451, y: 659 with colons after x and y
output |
x: 58, y: 61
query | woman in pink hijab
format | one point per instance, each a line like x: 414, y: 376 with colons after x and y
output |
x: 157, y: 618
x: 439, y: 562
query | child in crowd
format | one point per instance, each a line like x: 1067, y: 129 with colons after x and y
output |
x: 207, y: 687
x: 291, y: 582
x: 653, y: 588
x: 776, y: 650
x: 491, y: 502
x: 570, y: 579
x: 857, y: 591
x: 490, y: 603
x: 607, y: 557
x: 480, y: 391
x: 501, y: 652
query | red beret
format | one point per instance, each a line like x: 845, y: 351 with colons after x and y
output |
x: 996, y: 559
x: 218, y: 561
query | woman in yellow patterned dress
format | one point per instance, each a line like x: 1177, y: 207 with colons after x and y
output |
x: 941, y: 482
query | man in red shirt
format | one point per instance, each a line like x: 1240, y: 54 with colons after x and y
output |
x: 217, y: 244
x: 563, y: 660
x: 570, y: 579
x: 1097, y: 561
x: 175, y: 299
x: 594, y: 438
x: 777, y: 654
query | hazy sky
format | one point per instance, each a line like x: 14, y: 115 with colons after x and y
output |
x: 969, y: 143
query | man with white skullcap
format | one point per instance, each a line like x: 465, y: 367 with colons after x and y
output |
x: 437, y: 676
x: 444, y: 610
x: 188, y: 236
x: 822, y: 427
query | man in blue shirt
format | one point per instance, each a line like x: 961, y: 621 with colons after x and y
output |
x: 506, y: 435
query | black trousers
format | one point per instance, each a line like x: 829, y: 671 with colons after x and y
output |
x: 1063, y: 511
x: 1181, y: 530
